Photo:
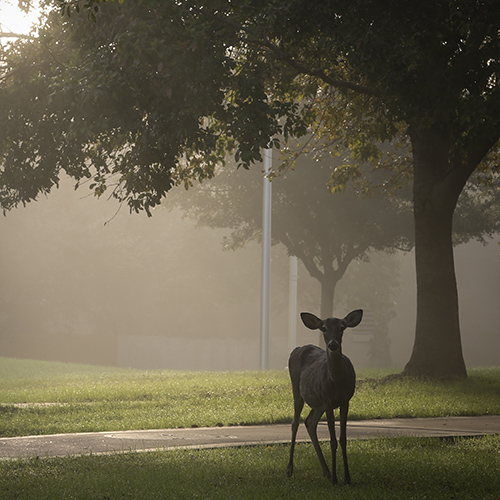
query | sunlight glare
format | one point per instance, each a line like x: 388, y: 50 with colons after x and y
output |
x: 14, y: 20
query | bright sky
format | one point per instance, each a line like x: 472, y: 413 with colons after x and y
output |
x: 13, y: 19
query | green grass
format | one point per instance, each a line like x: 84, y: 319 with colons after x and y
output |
x: 477, y: 395
x: 86, y: 398
x: 406, y: 468
x: 89, y: 399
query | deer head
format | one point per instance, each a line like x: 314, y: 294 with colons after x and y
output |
x: 332, y: 328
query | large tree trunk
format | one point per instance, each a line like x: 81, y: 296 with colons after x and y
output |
x: 437, y: 351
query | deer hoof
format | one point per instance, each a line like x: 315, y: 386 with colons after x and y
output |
x: 327, y: 475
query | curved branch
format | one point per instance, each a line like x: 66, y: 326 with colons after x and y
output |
x: 318, y: 72
x: 3, y: 34
x: 298, y: 252
x: 297, y: 65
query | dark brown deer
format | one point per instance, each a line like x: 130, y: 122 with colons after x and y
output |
x: 325, y: 380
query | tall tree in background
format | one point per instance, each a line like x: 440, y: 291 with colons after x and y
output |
x: 154, y: 93
x: 329, y: 231
x: 325, y: 231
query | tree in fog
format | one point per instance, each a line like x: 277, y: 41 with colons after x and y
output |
x: 155, y: 92
x: 379, y: 295
x: 326, y: 231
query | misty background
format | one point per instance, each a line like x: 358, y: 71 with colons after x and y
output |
x: 83, y: 280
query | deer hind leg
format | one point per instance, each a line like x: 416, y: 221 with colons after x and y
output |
x: 333, y: 443
x: 298, y: 405
x: 311, y: 426
x: 344, y: 410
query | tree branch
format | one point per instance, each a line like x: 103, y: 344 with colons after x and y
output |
x: 298, y: 65
x: 317, y: 72
x: 298, y: 252
x: 3, y: 34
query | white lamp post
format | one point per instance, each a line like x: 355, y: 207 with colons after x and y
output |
x: 266, y: 262
x: 292, y: 302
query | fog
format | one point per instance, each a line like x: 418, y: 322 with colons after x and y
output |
x: 84, y: 281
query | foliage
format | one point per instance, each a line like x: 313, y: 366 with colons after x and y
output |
x: 477, y: 215
x: 135, y: 113
x: 139, y: 114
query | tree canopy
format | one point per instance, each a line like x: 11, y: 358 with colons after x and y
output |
x: 135, y: 102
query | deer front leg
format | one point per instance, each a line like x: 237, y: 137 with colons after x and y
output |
x: 299, y: 404
x: 311, y: 426
x: 333, y: 443
x: 344, y: 409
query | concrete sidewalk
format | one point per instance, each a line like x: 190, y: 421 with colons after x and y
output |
x: 212, y: 437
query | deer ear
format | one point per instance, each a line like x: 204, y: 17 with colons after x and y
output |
x: 312, y: 322
x: 353, y: 318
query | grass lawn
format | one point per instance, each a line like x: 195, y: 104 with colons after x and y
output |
x: 388, y: 469
x: 39, y: 397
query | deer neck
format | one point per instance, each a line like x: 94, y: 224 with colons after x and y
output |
x: 335, y: 365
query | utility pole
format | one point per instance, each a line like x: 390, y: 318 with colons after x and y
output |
x: 266, y: 262
x: 292, y: 303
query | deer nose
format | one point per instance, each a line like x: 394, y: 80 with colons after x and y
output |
x: 333, y: 345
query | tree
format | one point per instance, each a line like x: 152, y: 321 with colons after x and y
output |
x: 434, y: 67
x: 142, y: 113
x: 329, y: 232
x: 326, y: 231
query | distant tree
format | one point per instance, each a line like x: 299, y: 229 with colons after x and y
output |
x: 381, y: 283
x: 326, y: 231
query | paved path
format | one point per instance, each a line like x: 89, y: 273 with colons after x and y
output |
x: 212, y: 437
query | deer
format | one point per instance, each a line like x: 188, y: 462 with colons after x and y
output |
x: 325, y: 380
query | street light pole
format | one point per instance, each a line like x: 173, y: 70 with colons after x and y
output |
x: 292, y: 302
x: 266, y: 262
